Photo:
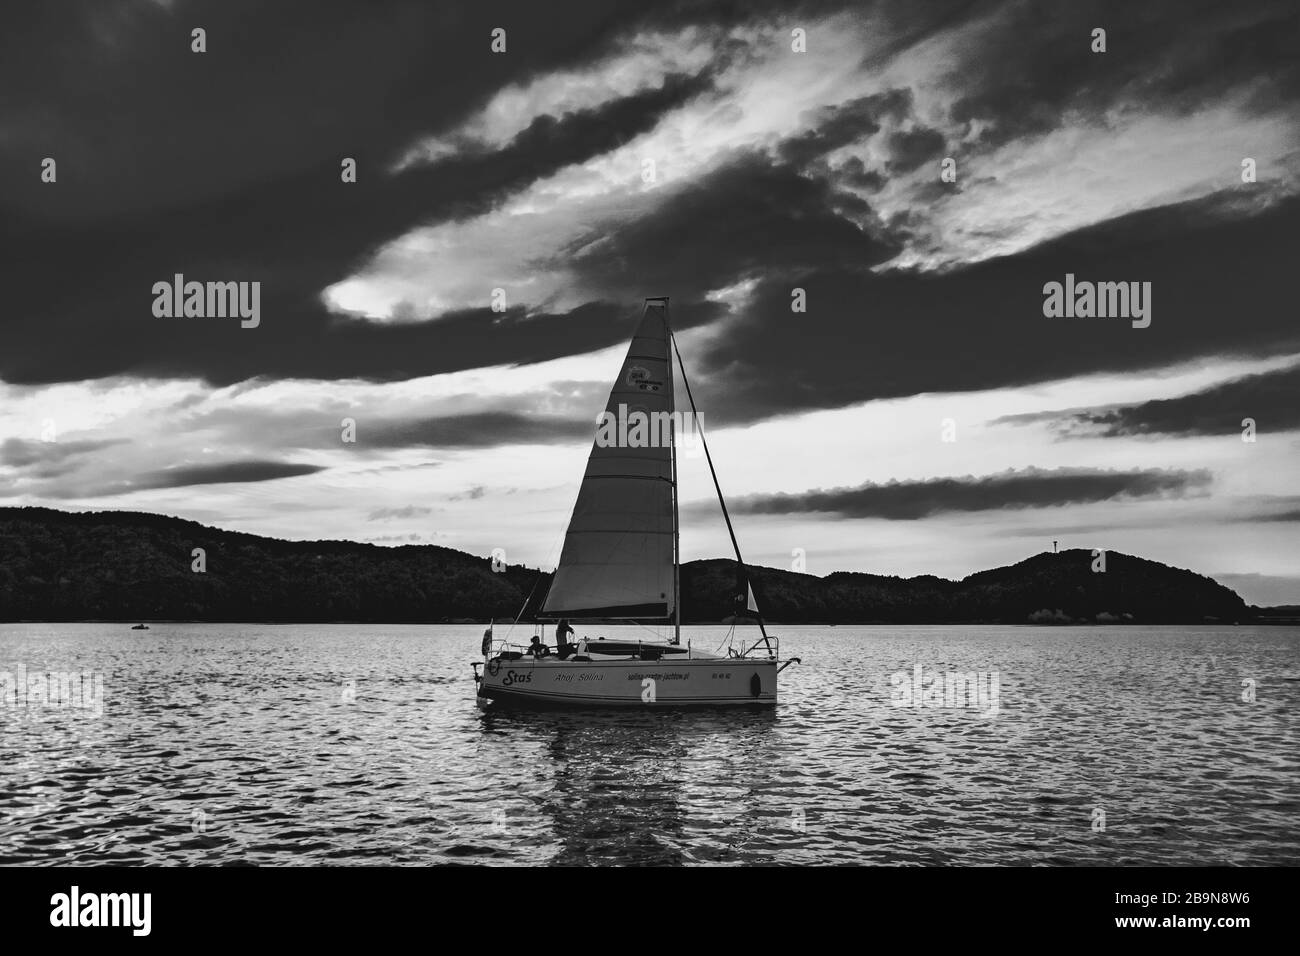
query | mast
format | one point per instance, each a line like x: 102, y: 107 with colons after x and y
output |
x: 716, y: 486
x: 677, y: 525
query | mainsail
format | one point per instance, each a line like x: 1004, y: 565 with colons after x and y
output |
x: 618, y: 558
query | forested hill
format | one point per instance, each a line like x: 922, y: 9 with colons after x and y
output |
x: 122, y: 565
x: 1044, y: 589
x: 61, y: 566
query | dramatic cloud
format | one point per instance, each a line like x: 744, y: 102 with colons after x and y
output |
x: 745, y: 219
x: 1220, y: 286
x: 296, y: 236
x: 1271, y: 400
x: 131, y: 209
x: 226, y: 473
x: 82, y: 483
x: 834, y: 127
x: 1028, y: 488
x: 1019, y: 87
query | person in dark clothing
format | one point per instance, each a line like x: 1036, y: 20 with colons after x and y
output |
x: 562, y: 645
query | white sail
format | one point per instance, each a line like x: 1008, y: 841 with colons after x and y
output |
x: 617, y: 560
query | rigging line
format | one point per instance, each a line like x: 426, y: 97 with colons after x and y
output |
x: 536, y: 581
x: 675, y: 489
x: 552, y: 558
x: 654, y: 629
x: 704, y: 443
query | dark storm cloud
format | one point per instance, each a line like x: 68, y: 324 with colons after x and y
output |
x: 1028, y: 64
x: 224, y: 165
x: 241, y: 182
x: 854, y: 172
x: 912, y: 148
x: 1028, y: 488
x: 234, y: 472
x: 92, y: 485
x: 1220, y: 286
x: 1270, y: 399
x: 84, y: 307
x: 835, y: 126
x: 139, y: 122
x: 750, y: 217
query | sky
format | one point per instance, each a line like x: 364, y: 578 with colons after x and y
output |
x: 466, y: 302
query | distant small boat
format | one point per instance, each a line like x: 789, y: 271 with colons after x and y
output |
x: 140, y: 627
x: 621, y: 562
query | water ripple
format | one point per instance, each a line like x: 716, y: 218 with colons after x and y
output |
x: 239, y: 744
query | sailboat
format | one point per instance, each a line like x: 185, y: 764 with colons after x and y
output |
x: 621, y: 563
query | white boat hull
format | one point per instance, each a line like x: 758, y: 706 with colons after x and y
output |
x: 699, y: 682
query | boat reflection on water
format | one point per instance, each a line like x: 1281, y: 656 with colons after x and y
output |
x: 648, y: 788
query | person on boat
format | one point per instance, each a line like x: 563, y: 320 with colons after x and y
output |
x: 537, y: 648
x: 562, y: 630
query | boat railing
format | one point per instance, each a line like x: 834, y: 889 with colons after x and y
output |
x: 769, y: 646
x: 502, y: 646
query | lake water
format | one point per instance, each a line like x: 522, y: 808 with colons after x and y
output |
x: 250, y: 744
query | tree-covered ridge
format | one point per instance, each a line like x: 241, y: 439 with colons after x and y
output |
x: 128, y: 565
x: 61, y: 566
x: 1044, y: 589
